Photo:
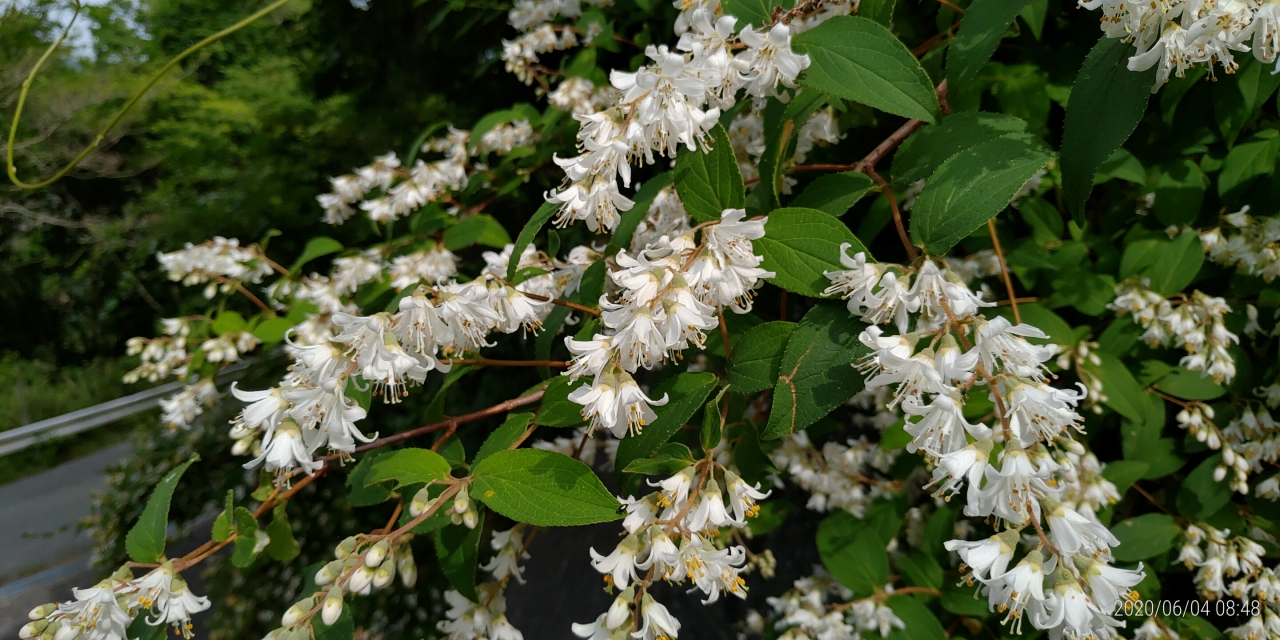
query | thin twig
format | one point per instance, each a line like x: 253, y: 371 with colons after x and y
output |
x: 563, y: 303
x: 724, y: 335
x: 559, y: 364
x: 1004, y: 270
x: 912, y: 254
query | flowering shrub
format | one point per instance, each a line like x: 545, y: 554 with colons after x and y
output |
x: 702, y: 329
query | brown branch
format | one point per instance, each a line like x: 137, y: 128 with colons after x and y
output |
x: 559, y: 364
x: 912, y: 254
x: 240, y: 287
x: 1010, y: 301
x: 563, y: 303
x: 1004, y: 270
x: 949, y: 5
x: 724, y: 334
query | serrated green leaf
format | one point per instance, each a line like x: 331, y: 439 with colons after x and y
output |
x: 458, y: 549
x: 835, y: 193
x: 1107, y: 102
x: 800, y: 244
x: 146, y: 539
x: 984, y: 25
x: 1143, y: 537
x: 222, y: 525
x: 858, y: 59
x: 245, y: 548
x: 479, y: 228
x: 362, y: 493
x: 317, y: 247
x: 816, y: 373
x: 1200, y: 496
x: 1190, y: 385
x: 862, y: 565
x: 920, y: 622
x: 753, y: 364
x: 283, y: 546
x: 754, y: 12
x: 708, y: 181
x: 1247, y: 162
x: 408, y: 466
x: 971, y: 188
x: 542, y: 488
x: 712, y: 422
x: 504, y: 436
x: 670, y: 458
x: 526, y: 235
x: 921, y: 154
x: 1177, y: 264
x: 556, y: 409
x: 685, y: 393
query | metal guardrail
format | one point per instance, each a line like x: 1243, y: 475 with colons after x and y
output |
x: 67, y: 424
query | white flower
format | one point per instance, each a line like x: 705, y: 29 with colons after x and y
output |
x: 710, y: 511
x: 743, y: 497
x: 989, y: 557
x: 955, y: 468
x: 940, y: 427
x: 285, y: 451
x: 656, y: 621
x: 1038, y: 411
x: 770, y: 60
x: 1017, y: 588
x: 1012, y: 489
x: 95, y: 614
x: 590, y: 356
x: 1074, y: 533
x: 1001, y: 342
x: 615, y: 402
x: 1109, y: 584
x: 619, y: 567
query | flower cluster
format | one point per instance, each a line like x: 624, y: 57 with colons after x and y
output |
x: 220, y: 263
x: 839, y: 476
x: 669, y: 295
x: 673, y: 534
x: 1175, y: 35
x: 675, y: 100
x: 1195, y: 324
x: 387, y: 352
x: 819, y: 607
x: 362, y: 563
x: 746, y: 134
x: 1247, y: 243
x: 1231, y: 566
x: 161, y: 357
x: 105, y: 610
x: 1065, y: 584
x: 486, y: 616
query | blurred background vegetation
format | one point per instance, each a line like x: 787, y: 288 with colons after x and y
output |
x: 237, y: 142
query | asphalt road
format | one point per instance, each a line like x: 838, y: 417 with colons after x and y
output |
x: 43, y: 553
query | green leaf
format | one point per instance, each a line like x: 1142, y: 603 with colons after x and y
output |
x: 1143, y: 537
x: 229, y: 322
x: 1177, y: 265
x: 858, y: 59
x: 708, y: 181
x: 479, y: 228
x: 591, y: 286
x: 757, y: 354
x: 1190, y: 385
x: 880, y: 11
x: 754, y: 12
x: 753, y: 463
x: 781, y: 124
x: 685, y: 393
x: 317, y: 247
x: 222, y: 525
x: 1200, y: 496
x: 504, y: 436
x: 1122, y: 165
x: 145, y: 541
x: 542, y: 488
x: 283, y: 546
x: 835, y: 193
x: 668, y: 459
x: 862, y: 565
x: 556, y: 409
x: 245, y: 548
x: 920, y: 569
x: 1124, y: 395
x: 712, y: 422
x: 1247, y: 162
x: 525, y: 238
x: 1034, y: 14
x: 971, y: 188
x: 984, y: 25
x: 964, y: 601
x: 408, y: 466
x: 272, y: 330
x: 1123, y: 473
x: 920, y: 623
x: 1107, y: 102
x: 816, y: 373
x: 921, y: 154
x: 458, y: 549
x: 1179, y: 192
x: 800, y: 244
x: 364, y: 494
x: 641, y: 202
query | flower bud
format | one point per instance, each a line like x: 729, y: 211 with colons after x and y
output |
x: 420, y: 503
x: 407, y: 569
x: 384, y: 574
x: 620, y: 610
x: 374, y: 556
x: 66, y: 632
x: 332, y: 606
x: 32, y: 629
x: 360, y: 580
x: 1229, y: 456
x: 461, y: 502
x: 241, y: 446
x: 328, y: 573
x: 1219, y: 473
x: 345, y: 548
x: 294, y: 614
x: 42, y: 611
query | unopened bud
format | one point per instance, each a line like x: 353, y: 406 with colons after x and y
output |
x: 374, y: 556
x: 241, y: 446
x: 345, y: 548
x: 42, y: 611
x: 471, y: 519
x: 360, y: 580
x: 408, y: 571
x: 294, y: 614
x: 66, y: 632
x: 328, y: 573
x: 620, y: 610
x: 332, y: 606
x: 420, y: 503
x: 384, y: 574
x: 1219, y: 473
x: 461, y: 502
x: 32, y: 629
x: 1229, y: 456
